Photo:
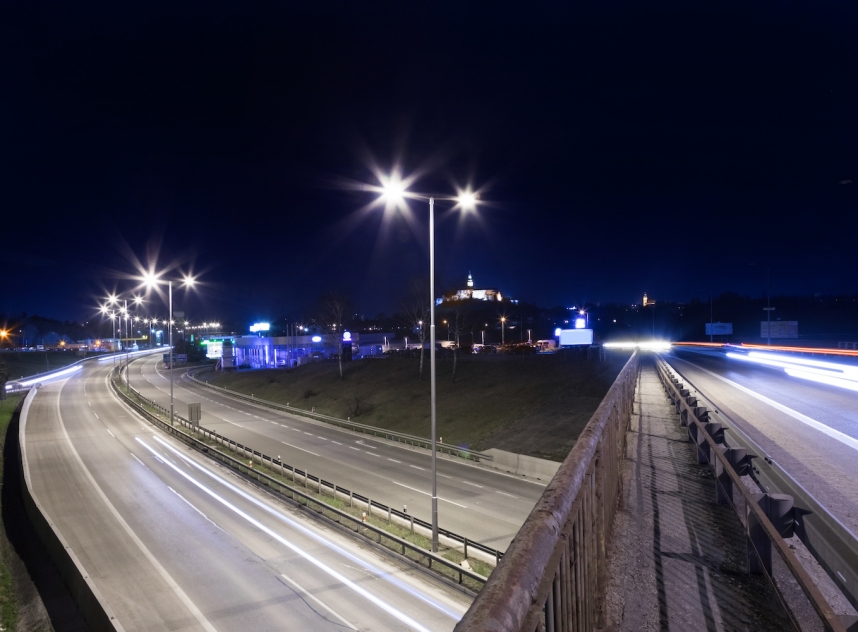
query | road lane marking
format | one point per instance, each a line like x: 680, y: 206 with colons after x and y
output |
x: 443, y: 475
x: 296, y: 549
x: 308, y: 433
x: 130, y: 532
x: 325, y: 606
x: 474, y: 484
x: 394, y: 460
x: 96, y: 415
x: 194, y: 507
x: 373, y: 453
x: 110, y: 433
x: 417, y: 467
x: 337, y: 442
x: 322, y: 438
x: 351, y: 447
x: 505, y: 494
x: 816, y: 425
x: 297, y: 448
x: 138, y: 460
x: 419, y: 491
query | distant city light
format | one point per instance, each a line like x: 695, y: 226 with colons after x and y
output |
x: 580, y: 323
x: 259, y: 327
x: 316, y: 339
x: 557, y: 332
x: 347, y: 336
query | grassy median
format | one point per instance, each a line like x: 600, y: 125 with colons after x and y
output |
x: 8, y: 601
x: 534, y: 405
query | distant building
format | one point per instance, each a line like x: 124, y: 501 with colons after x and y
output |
x: 470, y: 293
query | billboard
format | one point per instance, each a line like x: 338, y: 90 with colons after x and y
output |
x: 576, y: 337
x: 779, y: 329
x: 719, y: 329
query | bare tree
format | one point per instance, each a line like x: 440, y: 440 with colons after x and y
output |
x: 334, y: 307
x: 415, y: 311
x: 459, y: 325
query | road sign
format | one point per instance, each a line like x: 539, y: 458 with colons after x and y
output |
x: 719, y: 329
x: 779, y: 329
x: 195, y: 413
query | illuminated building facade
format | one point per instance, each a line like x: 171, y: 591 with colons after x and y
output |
x: 470, y: 293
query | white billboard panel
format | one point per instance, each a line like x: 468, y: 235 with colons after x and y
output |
x: 719, y: 329
x: 576, y: 337
x: 779, y: 329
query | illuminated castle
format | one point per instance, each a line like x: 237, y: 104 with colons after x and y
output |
x: 469, y: 293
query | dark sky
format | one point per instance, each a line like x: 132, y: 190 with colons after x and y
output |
x: 674, y: 148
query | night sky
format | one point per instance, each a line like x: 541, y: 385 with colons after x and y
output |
x: 680, y: 149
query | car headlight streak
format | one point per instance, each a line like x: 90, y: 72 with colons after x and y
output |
x: 330, y: 571
x: 831, y: 373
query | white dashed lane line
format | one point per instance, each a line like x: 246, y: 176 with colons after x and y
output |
x: 505, y: 494
x: 394, y: 460
x: 372, y: 453
x: 474, y: 484
x: 428, y: 494
x: 417, y: 468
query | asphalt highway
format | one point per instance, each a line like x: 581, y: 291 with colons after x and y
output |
x: 175, y: 542
x: 809, y: 428
x: 474, y: 501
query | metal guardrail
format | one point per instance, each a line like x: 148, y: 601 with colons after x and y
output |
x: 467, y: 545
x: 712, y: 448
x: 833, y: 545
x: 411, y: 440
x: 554, y: 574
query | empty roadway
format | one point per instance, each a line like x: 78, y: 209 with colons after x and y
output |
x: 474, y: 501
x: 174, y: 542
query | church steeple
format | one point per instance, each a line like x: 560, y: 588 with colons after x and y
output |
x: 470, y: 279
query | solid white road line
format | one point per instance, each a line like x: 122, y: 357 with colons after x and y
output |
x: 190, y: 605
x: 325, y: 606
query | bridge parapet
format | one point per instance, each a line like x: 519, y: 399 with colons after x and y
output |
x: 554, y: 573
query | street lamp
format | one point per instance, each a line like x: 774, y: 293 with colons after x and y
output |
x: 150, y: 280
x: 503, y: 327
x: 393, y: 193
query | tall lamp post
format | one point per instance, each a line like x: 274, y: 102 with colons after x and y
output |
x: 393, y: 192
x: 503, y: 327
x: 150, y: 279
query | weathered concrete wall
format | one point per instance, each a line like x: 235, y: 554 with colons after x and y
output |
x: 522, y: 465
x: 93, y: 607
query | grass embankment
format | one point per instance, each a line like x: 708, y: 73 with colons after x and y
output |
x: 8, y: 601
x: 26, y: 363
x: 534, y: 405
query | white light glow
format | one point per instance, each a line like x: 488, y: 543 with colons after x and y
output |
x: 580, y: 323
x: 654, y: 345
x: 316, y: 339
x: 260, y: 327
x: 831, y: 373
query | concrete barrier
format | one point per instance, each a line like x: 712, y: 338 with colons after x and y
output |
x: 91, y: 603
x: 522, y: 465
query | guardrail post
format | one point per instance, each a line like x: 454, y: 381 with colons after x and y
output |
x: 352, y: 500
x: 389, y: 514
